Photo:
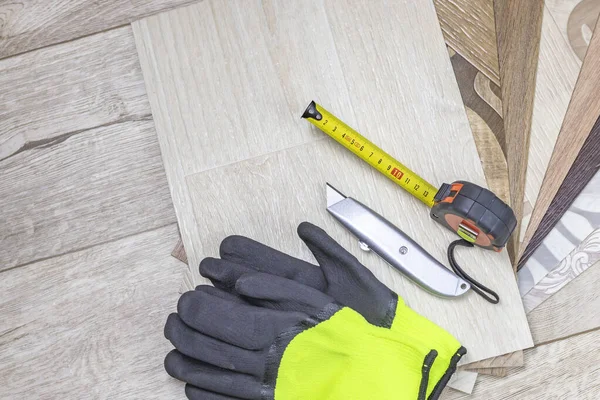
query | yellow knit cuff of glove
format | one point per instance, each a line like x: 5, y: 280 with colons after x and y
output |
x: 426, y: 335
x: 344, y: 357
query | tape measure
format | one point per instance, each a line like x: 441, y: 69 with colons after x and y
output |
x: 476, y: 214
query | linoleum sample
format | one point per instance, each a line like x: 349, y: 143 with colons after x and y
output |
x: 584, y: 168
x: 557, y: 71
x: 578, y: 261
x: 582, y: 113
x: 469, y: 29
x: 518, y: 27
x: 228, y: 83
x: 579, y: 221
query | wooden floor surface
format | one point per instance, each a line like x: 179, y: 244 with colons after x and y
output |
x: 87, y: 226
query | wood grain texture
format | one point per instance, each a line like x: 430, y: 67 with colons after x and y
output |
x: 584, y: 168
x: 573, y: 309
x: 567, y: 369
x: 556, y: 76
x: 89, y: 324
x: 582, y: 113
x: 515, y: 359
x: 468, y: 27
x: 52, y: 93
x: 31, y: 24
x: 88, y: 188
x: 276, y: 67
x: 486, y: 123
x: 496, y: 371
x: 79, y: 159
x: 484, y: 115
x: 518, y: 27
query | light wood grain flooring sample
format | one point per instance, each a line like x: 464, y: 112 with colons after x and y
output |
x: 206, y: 63
x: 221, y: 95
x: 518, y: 26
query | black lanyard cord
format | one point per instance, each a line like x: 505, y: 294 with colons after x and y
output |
x: 477, y: 287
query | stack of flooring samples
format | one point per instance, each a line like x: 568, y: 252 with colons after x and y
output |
x: 559, y: 242
x: 227, y: 84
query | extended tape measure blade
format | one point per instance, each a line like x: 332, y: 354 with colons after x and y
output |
x: 370, y: 153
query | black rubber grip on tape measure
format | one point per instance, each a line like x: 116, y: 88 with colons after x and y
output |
x: 479, y: 205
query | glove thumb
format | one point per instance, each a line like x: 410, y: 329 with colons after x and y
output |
x: 348, y: 281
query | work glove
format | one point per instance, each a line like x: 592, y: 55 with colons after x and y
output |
x: 341, y: 276
x: 295, y: 342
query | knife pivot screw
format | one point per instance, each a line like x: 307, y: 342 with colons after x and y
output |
x: 403, y: 250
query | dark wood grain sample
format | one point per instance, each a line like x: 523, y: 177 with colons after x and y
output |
x: 584, y: 168
x: 179, y: 252
x: 518, y: 30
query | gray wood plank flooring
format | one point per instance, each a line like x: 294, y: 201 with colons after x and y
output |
x: 31, y: 24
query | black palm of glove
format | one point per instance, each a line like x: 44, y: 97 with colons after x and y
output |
x: 340, y: 275
x: 222, y: 342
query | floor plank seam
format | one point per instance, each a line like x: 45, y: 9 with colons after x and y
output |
x: 137, y: 17
x: 88, y: 247
x: 567, y: 337
x: 45, y: 143
x: 64, y: 41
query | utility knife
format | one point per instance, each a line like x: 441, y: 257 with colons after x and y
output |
x: 376, y: 233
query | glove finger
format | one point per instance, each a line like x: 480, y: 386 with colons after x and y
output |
x: 225, y: 295
x: 348, y: 281
x: 223, y: 273
x: 211, y: 378
x: 279, y: 293
x: 195, y: 393
x: 241, y: 325
x: 263, y: 258
x: 210, y: 350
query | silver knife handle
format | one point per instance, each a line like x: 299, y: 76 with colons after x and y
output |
x: 397, y: 248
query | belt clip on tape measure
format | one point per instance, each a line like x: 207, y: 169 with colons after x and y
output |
x: 476, y: 214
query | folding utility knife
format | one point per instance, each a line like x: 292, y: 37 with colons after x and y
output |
x: 378, y: 234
